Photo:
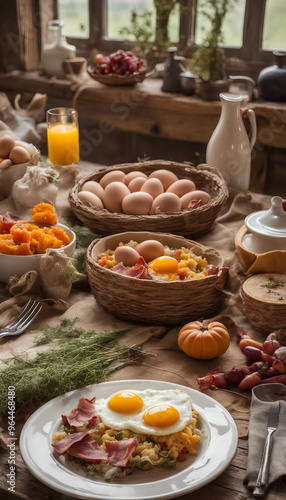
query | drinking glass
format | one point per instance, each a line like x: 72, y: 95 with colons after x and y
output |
x: 63, y: 137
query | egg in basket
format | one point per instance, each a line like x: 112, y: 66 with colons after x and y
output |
x: 155, y: 277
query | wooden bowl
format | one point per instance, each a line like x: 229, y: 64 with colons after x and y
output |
x: 254, y: 263
x: 265, y: 303
x: 113, y: 79
x: 186, y: 223
x: 153, y: 301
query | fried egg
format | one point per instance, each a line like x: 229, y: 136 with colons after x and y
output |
x: 149, y: 412
x: 164, y: 267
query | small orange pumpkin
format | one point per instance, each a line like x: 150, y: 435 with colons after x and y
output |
x: 203, y: 342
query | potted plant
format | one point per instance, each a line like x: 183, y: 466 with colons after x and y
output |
x: 208, y: 61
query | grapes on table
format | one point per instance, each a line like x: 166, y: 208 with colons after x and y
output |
x: 120, y: 63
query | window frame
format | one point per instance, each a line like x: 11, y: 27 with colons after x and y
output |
x: 250, y: 52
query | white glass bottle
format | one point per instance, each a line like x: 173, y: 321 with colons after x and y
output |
x: 56, y: 51
x: 229, y: 148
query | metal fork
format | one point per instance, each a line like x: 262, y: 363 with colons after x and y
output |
x: 28, y: 313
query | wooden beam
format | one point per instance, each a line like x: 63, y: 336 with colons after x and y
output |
x: 145, y: 109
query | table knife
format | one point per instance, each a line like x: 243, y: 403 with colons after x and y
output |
x: 262, y: 478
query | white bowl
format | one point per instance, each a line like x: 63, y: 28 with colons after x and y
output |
x: 17, y: 265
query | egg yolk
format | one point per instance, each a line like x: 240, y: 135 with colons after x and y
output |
x: 164, y: 264
x: 125, y: 402
x: 160, y: 416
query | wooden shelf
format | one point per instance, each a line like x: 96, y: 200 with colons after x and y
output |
x: 145, y: 109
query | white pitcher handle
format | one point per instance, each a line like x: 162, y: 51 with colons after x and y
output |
x: 252, y: 120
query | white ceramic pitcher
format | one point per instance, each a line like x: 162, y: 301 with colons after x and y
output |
x: 229, y: 148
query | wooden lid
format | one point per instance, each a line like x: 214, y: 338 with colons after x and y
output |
x: 267, y: 288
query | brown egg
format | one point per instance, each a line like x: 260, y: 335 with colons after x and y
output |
x: 181, y: 187
x: 113, y: 176
x: 19, y: 155
x: 127, y: 255
x: 6, y: 144
x: 166, y: 202
x: 153, y: 186
x: 165, y: 176
x: 132, y: 175
x: 26, y: 146
x: 150, y: 249
x: 201, y: 196
x: 137, y: 203
x: 5, y: 164
x: 136, y: 184
x: 93, y: 187
x: 90, y: 199
x: 113, y: 196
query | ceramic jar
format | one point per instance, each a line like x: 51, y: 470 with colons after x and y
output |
x: 172, y: 71
x: 56, y: 51
x: 267, y: 229
x: 229, y: 148
x: 271, y: 81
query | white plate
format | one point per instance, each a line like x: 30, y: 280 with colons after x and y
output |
x: 217, y: 449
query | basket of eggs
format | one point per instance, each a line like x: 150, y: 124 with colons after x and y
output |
x: 155, y: 278
x: 157, y: 195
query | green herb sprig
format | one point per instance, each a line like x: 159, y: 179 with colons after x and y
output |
x: 77, y: 358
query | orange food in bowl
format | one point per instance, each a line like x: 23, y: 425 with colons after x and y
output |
x: 43, y: 213
x: 26, y: 238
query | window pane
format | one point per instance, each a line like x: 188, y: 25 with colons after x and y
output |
x: 119, y: 16
x: 75, y: 16
x: 232, y: 24
x: 274, y: 31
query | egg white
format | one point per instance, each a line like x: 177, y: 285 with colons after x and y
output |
x: 134, y: 422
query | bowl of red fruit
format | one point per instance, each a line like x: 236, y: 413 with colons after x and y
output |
x: 119, y: 68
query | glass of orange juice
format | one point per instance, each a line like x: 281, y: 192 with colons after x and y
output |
x: 63, y: 137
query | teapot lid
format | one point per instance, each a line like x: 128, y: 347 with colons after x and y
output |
x: 270, y: 222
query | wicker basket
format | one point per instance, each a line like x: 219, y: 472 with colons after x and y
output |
x: 113, y: 79
x: 156, y: 302
x: 186, y: 223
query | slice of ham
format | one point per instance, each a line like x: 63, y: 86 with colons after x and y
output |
x: 80, y: 445
x: 88, y: 450
x: 82, y: 416
x: 139, y: 270
x: 119, y: 452
x: 64, y: 444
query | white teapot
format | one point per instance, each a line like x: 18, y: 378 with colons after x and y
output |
x: 267, y: 229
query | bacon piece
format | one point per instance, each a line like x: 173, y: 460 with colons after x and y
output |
x: 82, y: 416
x: 218, y: 380
x: 88, y: 450
x: 64, y: 444
x: 119, y: 452
x: 140, y: 270
x: 120, y: 268
x: 6, y: 222
x: 213, y: 270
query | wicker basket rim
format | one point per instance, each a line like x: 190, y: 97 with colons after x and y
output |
x: 178, y: 284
